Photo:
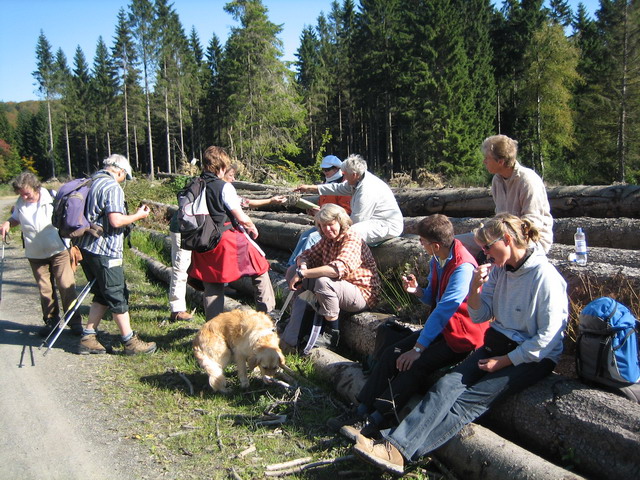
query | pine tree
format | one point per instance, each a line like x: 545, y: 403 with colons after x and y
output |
x: 264, y: 115
x: 44, y: 75
x: 79, y: 101
x: 142, y: 23
x: 546, y: 94
x: 62, y: 80
x: 212, y: 103
x: 124, y: 58
x: 104, y: 87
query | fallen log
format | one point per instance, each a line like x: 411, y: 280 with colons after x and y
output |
x: 617, y: 233
x: 606, y: 267
x: 602, y: 201
x: 557, y: 417
x: 601, y: 232
x: 475, y: 453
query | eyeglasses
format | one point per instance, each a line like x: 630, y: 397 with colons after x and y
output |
x: 328, y: 169
x: 486, y: 248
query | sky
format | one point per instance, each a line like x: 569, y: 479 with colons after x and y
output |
x: 68, y: 24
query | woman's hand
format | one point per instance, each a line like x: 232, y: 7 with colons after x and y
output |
x: 278, y: 199
x: 493, y: 364
x: 405, y: 360
x: 480, y: 276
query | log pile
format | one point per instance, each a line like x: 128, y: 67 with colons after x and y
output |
x: 558, y: 417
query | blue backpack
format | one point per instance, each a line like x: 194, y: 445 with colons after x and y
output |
x: 607, y: 347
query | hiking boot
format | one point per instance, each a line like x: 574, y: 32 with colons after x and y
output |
x: 135, y: 346
x: 90, y: 344
x: 48, y: 327
x: 181, y: 316
x: 381, y: 454
x: 352, y: 417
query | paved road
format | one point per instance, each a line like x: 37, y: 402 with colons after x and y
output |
x: 53, y: 424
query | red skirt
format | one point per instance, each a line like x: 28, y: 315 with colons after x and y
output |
x: 234, y: 257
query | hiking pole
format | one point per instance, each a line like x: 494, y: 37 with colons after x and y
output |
x: 2, y: 268
x: 285, y: 305
x: 67, y: 317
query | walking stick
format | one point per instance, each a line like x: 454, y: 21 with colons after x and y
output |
x: 285, y: 305
x: 62, y: 323
x: 2, y: 268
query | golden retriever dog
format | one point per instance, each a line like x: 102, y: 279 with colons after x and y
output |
x: 247, y: 336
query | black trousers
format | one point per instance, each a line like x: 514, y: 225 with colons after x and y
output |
x: 387, y: 390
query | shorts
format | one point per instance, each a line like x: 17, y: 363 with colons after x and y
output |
x: 110, y: 288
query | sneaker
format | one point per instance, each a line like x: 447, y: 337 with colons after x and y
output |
x: 135, y: 346
x: 352, y: 417
x: 90, y: 344
x: 381, y: 454
x: 181, y: 316
x: 48, y: 327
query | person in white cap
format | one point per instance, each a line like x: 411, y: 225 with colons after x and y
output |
x: 102, y: 257
x: 332, y: 170
x: 374, y: 210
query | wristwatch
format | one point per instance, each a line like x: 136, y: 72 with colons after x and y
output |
x: 299, y: 273
x: 417, y: 349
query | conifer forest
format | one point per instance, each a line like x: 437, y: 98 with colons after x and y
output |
x: 413, y: 86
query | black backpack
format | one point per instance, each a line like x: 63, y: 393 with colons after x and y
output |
x: 198, y: 231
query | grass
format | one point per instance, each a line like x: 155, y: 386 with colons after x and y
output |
x: 207, y: 435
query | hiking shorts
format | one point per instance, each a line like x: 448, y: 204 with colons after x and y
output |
x: 110, y: 288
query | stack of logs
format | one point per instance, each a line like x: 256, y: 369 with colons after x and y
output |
x: 559, y: 418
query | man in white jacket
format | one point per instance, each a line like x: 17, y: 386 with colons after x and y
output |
x: 374, y: 210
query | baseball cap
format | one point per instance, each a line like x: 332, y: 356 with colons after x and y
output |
x: 331, y: 161
x: 119, y: 161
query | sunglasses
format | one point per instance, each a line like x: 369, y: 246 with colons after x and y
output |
x: 328, y: 169
x: 486, y: 247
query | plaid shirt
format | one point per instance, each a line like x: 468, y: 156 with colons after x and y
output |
x: 351, y: 258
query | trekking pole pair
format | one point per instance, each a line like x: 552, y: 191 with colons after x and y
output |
x: 62, y: 323
x: 2, y: 266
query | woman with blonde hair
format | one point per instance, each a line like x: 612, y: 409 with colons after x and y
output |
x: 526, y: 298
x: 339, y: 271
x: 236, y: 255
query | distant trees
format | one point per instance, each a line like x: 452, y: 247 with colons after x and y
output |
x: 413, y: 85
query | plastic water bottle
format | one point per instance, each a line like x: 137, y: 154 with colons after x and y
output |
x: 581, y: 247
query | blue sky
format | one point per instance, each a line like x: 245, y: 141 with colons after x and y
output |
x: 69, y: 23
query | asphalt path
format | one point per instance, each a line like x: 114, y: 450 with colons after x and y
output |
x: 53, y: 423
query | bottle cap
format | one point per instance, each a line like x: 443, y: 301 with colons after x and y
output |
x: 579, y: 230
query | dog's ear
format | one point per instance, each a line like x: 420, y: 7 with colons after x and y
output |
x: 252, y: 361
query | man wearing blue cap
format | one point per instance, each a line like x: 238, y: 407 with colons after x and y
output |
x: 374, y: 210
x: 331, y: 169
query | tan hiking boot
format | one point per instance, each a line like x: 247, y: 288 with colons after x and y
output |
x: 135, y: 346
x: 90, y: 344
x: 381, y: 454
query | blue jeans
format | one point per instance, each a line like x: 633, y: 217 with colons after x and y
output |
x: 388, y: 390
x: 307, y: 240
x: 458, y: 399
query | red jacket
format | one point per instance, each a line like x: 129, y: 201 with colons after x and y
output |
x: 461, y: 334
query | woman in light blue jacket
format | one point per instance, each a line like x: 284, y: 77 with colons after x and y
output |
x: 527, y: 298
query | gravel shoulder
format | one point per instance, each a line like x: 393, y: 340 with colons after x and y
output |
x: 54, y: 423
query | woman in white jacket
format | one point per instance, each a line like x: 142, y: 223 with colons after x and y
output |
x: 527, y: 298
x: 47, y: 253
